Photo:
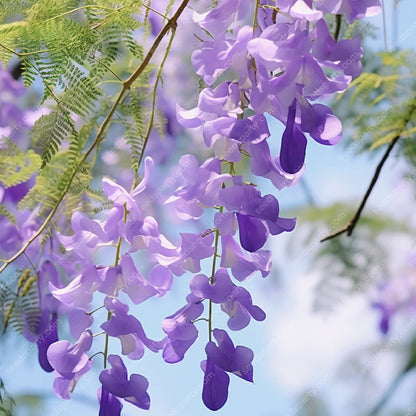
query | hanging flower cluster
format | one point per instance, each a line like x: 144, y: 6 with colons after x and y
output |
x: 281, y: 65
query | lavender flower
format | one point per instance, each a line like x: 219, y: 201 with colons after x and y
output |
x: 115, y: 383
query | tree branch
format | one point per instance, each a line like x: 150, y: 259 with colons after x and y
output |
x: 349, y: 228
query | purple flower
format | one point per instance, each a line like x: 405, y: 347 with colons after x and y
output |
x: 235, y: 301
x: 239, y: 307
x: 253, y: 233
x: 180, y: 330
x: 236, y: 360
x: 47, y: 336
x: 128, y: 330
x: 344, y: 55
x: 396, y: 295
x: 319, y: 121
x: 194, y: 248
x: 202, y: 185
x: 68, y: 359
x: 79, y: 321
x: 212, y: 103
x: 218, y: 291
x: 352, y: 9
x: 45, y: 330
x: 79, y: 292
x: 243, y: 265
x: 292, y: 152
x: 70, y: 362
x: 262, y: 164
x: 109, y: 404
x: 216, y: 382
x: 217, y: 20
x: 134, y: 284
x: 115, y: 381
x: 301, y: 9
x: 159, y: 248
x: 88, y: 235
x: 221, y: 359
x: 257, y: 216
x: 215, y: 56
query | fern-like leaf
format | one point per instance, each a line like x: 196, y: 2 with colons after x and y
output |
x: 6, y: 213
x: 17, y: 166
x: 50, y: 130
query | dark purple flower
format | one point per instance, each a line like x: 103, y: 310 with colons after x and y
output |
x: 220, y: 360
x: 216, y: 382
x: 47, y: 337
x: 109, y: 404
x: 292, y: 152
x: 236, y: 360
x: 253, y: 233
x: 115, y: 381
x: 257, y: 215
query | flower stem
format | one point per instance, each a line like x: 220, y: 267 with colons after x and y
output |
x: 338, y: 22
x: 212, y: 280
x: 106, y: 343
x: 116, y: 262
x: 256, y: 13
x: 152, y: 113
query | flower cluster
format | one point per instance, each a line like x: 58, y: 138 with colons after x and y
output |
x: 280, y: 66
x: 277, y: 66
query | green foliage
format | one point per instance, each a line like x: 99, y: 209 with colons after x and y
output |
x: 133, y: 120
x: 16, y: 166
x: 6, y: 401
x: 49, y: 131
x: 20, y: 306
x: 382, y: 100
x: 350, y: 264
x: 6, y: 213
x: 72, y: 47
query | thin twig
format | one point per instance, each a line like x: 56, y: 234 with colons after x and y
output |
x: 349, y: 228
x: 338, y: 21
